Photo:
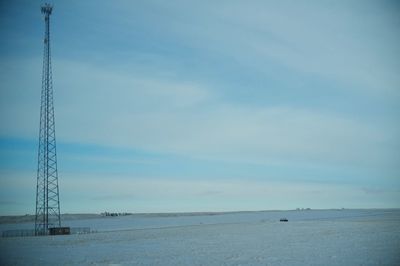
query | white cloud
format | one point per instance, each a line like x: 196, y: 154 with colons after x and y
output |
x: 101, y: 106
x: 336, y: 41
x: 184, y: 118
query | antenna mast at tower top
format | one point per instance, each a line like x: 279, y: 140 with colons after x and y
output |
x: 46, y: 9
x: 47, y: 193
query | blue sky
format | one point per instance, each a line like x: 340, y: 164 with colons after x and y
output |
x: 166, y: 106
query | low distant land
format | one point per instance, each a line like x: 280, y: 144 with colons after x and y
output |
x: 26, y: 218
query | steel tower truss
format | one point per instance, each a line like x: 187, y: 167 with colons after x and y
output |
x: 47, y: 193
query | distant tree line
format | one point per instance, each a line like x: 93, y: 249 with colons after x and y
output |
x: 303, y: 209
x: 115, y: 213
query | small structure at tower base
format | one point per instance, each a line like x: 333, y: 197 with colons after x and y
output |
x: 59, y: 231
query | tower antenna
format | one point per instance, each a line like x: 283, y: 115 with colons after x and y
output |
x: 47, y: 193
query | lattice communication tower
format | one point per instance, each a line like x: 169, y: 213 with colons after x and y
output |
x: 47, y: 193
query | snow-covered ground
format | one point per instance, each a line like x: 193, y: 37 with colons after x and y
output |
x: 320, y: 237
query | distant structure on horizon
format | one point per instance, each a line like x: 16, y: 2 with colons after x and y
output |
x: 47, y: 193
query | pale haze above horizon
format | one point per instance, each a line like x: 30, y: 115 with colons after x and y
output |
x: 185, y: 106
